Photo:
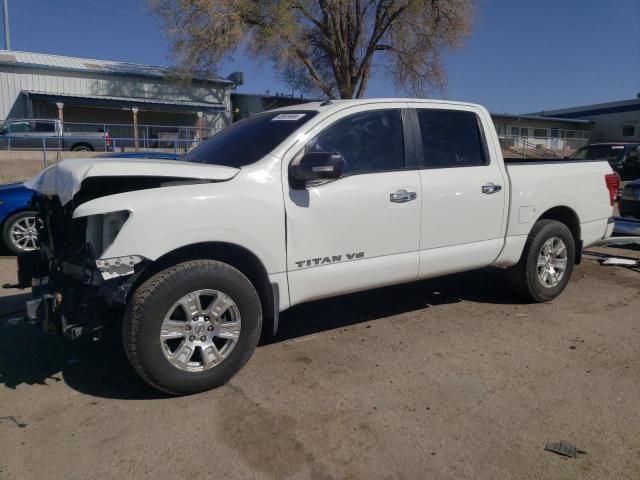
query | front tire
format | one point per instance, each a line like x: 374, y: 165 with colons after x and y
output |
x: 545, y: 268
x: 192, y: 326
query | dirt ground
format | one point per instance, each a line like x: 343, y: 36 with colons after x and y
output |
x: 452, y: 378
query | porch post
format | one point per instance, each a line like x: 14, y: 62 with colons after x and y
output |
x: 199, y: 125
x: 134, y: 110
x: 60, y: 106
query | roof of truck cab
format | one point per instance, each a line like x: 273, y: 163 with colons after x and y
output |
x: 338, y: 104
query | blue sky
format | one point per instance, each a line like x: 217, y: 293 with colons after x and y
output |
x: 521, y: 56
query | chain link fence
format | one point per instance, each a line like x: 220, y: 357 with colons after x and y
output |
x: 22, y: 156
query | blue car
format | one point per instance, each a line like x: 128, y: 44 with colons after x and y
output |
x: 17, y: 220
x: 150, y: 155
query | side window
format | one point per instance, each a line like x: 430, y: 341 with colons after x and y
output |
x: 580, y: 154
x: 451, y: 138
x: 20, y: 127
x: 44, y: 127
x: 370, y: 141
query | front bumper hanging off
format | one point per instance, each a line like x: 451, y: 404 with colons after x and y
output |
x: 73, y: 307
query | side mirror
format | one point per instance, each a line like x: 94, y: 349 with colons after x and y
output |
x: 316, y: 167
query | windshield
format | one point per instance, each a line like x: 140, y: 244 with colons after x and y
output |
x: 248, y: 140
x: 600, y: 152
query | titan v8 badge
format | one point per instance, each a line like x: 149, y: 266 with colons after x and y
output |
x: 332, y: 259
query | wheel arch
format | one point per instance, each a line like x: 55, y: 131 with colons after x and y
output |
x: 14, y: 212
x: 235, y: 255
x: 82, y: 144
x: 569, y: 217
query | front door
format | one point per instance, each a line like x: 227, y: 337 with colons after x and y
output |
x: 361, y: 230
x: 464, y: 191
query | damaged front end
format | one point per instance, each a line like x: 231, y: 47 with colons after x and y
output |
x: 74, y: 289
x: 75, y: 281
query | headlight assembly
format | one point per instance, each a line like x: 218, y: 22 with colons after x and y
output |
x: 102, y: 230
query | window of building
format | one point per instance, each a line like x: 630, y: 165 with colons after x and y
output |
x: 450, y: 139
x: 540, y: 132
x: 524, y: 131
x: 515, y: 130
x: 628, y: 131
x: 371, y: 141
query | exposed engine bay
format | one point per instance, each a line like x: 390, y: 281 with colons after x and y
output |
x: 73, y: 287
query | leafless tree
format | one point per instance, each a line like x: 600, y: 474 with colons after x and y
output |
x: 329, y: 46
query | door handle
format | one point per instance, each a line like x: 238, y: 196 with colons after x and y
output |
x: 402, y: 196
x: 491, y: 188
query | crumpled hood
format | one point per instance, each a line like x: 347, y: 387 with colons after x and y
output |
x: 64, y: 179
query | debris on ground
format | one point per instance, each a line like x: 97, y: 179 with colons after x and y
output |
x: 13, y: 419
x: 563, y: 448
x: 15, y: 320
x: 620, y: 262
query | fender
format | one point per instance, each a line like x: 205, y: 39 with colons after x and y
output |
x: 164, y: 219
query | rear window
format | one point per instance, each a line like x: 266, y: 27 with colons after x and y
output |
x: 248, y: 140
x: 450, y: 138
x: 600, y: 152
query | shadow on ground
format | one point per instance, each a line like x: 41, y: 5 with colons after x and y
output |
x: 100, y: 368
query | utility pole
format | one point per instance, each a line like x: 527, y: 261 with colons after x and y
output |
x: 5, y: 15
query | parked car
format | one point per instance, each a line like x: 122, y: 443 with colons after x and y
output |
x: 624, y: 158
x: 629, y: 202
x: 17, y: 218
x: 626, y: 227
x: 201, y: 255
x: 145, y: 154
x: 33, y: 134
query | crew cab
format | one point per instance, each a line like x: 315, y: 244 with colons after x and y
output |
x: 198, y: 257
x: 38, y: 133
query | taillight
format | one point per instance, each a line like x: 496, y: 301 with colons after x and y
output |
x: 613, y: 183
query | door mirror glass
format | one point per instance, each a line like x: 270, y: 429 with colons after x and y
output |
x: 316, y: 167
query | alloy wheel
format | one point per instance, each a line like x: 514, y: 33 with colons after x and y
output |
x: 200, y: 330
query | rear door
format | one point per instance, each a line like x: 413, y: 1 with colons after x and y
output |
x: 464, y: 190
x: 361, y: 230
x: 44, y: 132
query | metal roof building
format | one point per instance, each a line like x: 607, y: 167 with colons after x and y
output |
x: 35, y: 85
x: 613, y: 121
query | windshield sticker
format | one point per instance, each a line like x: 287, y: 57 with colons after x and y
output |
x: 617, y: 147
x: 288, y: 117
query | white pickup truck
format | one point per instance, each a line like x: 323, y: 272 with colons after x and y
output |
x: 199, y: 256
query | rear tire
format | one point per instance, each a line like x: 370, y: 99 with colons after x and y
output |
x: 81, y: 148
x: 20, y: 232
x: 174, y: 302
x: 528, y: 277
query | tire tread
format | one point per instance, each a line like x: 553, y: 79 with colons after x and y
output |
x: 140, y: 303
